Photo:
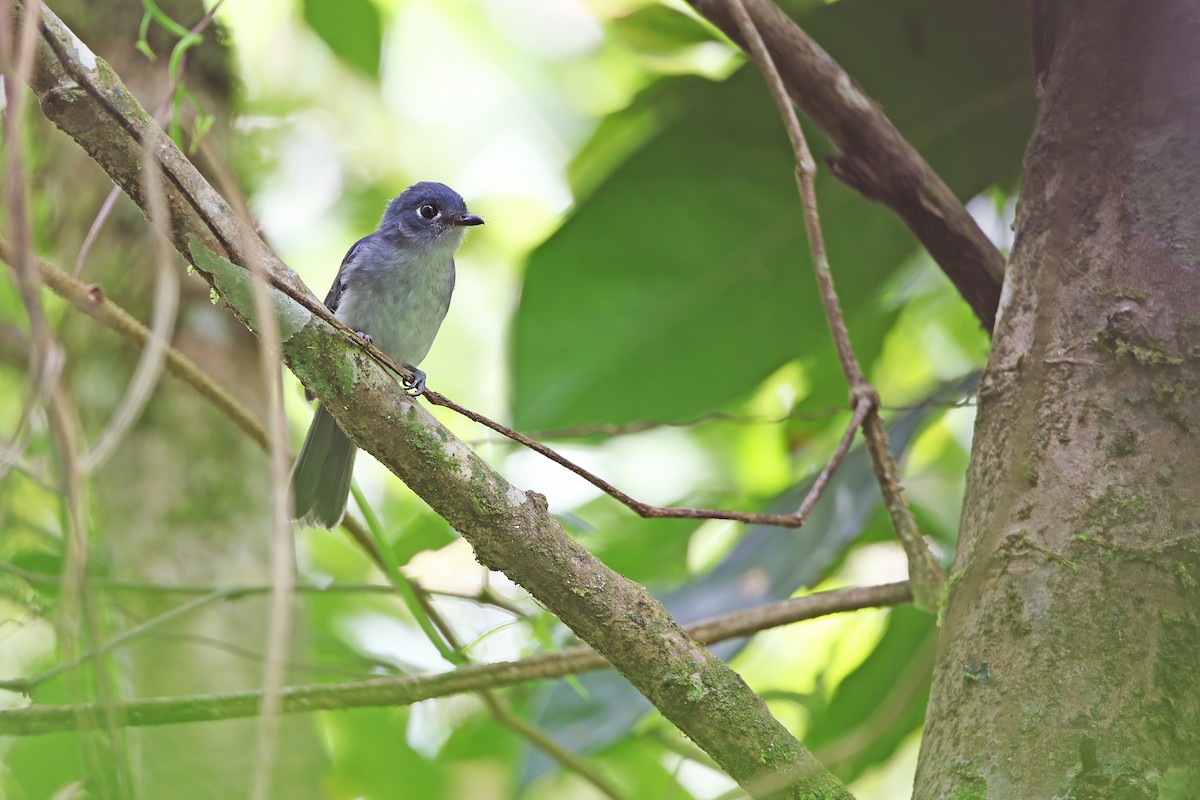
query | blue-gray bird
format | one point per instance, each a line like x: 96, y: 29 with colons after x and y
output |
x: 393, y: 288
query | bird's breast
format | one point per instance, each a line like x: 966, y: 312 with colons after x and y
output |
x: 400, y: 304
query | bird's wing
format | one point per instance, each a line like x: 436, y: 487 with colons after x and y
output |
x: 339, y: 282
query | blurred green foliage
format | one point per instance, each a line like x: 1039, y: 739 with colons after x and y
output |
x: 643, y: 261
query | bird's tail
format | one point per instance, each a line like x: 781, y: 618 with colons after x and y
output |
x: 321, y: 475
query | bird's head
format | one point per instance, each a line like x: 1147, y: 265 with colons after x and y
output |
x: 428, y: 213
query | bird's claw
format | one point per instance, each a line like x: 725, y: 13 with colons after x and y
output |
x: 415, y: 386
x: 366, y: 337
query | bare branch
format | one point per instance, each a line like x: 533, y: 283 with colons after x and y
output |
x: 647, y: 510
x: 484, y: 597
x: 925, y: 573
x: 875, y: 159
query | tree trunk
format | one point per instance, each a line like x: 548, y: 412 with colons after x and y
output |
x: 1070, y: 650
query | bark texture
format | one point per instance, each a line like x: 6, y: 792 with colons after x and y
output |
x: 1070, y: 651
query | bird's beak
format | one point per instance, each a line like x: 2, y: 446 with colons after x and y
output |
x: 467, y: 219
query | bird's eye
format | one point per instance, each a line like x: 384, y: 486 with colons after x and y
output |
x: 428, y: 211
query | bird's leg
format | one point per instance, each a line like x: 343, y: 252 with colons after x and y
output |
x: 415, y: 385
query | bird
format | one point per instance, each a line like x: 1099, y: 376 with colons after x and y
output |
x: 393, y: 288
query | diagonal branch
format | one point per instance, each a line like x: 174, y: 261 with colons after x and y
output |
x: 875, y: 159
x: 510, y: 530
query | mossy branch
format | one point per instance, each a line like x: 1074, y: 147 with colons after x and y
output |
x: 511, y: 530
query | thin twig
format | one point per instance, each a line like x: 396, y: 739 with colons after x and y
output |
x: 407, y: 689
x: 91, y: 300
x: 161, y: 115
x: 548, y: 745
x: 207, y: 596
x: 16, y: 66
x: 26, y: 685
x: 486, y: 597
x: 642, y: 425
x: 646, y: 510
x: 861, y: 408
x: 283, y: 545
x: 77, y: 611
x: 85, y: 249
x: 162, y: 325
x: 926, y: 574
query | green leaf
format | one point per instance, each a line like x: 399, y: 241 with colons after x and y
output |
x: 352, y: 29
x: 682, y: 280
x: 643, y: 550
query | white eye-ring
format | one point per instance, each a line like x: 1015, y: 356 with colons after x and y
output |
x: 427, y: 211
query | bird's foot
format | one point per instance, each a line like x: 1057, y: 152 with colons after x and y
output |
x: 366, y: 337
x: 415, y: 386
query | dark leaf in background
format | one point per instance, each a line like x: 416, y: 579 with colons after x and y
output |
x: 351, y: 28
x: 682, y: 280
x: 681, y: 283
